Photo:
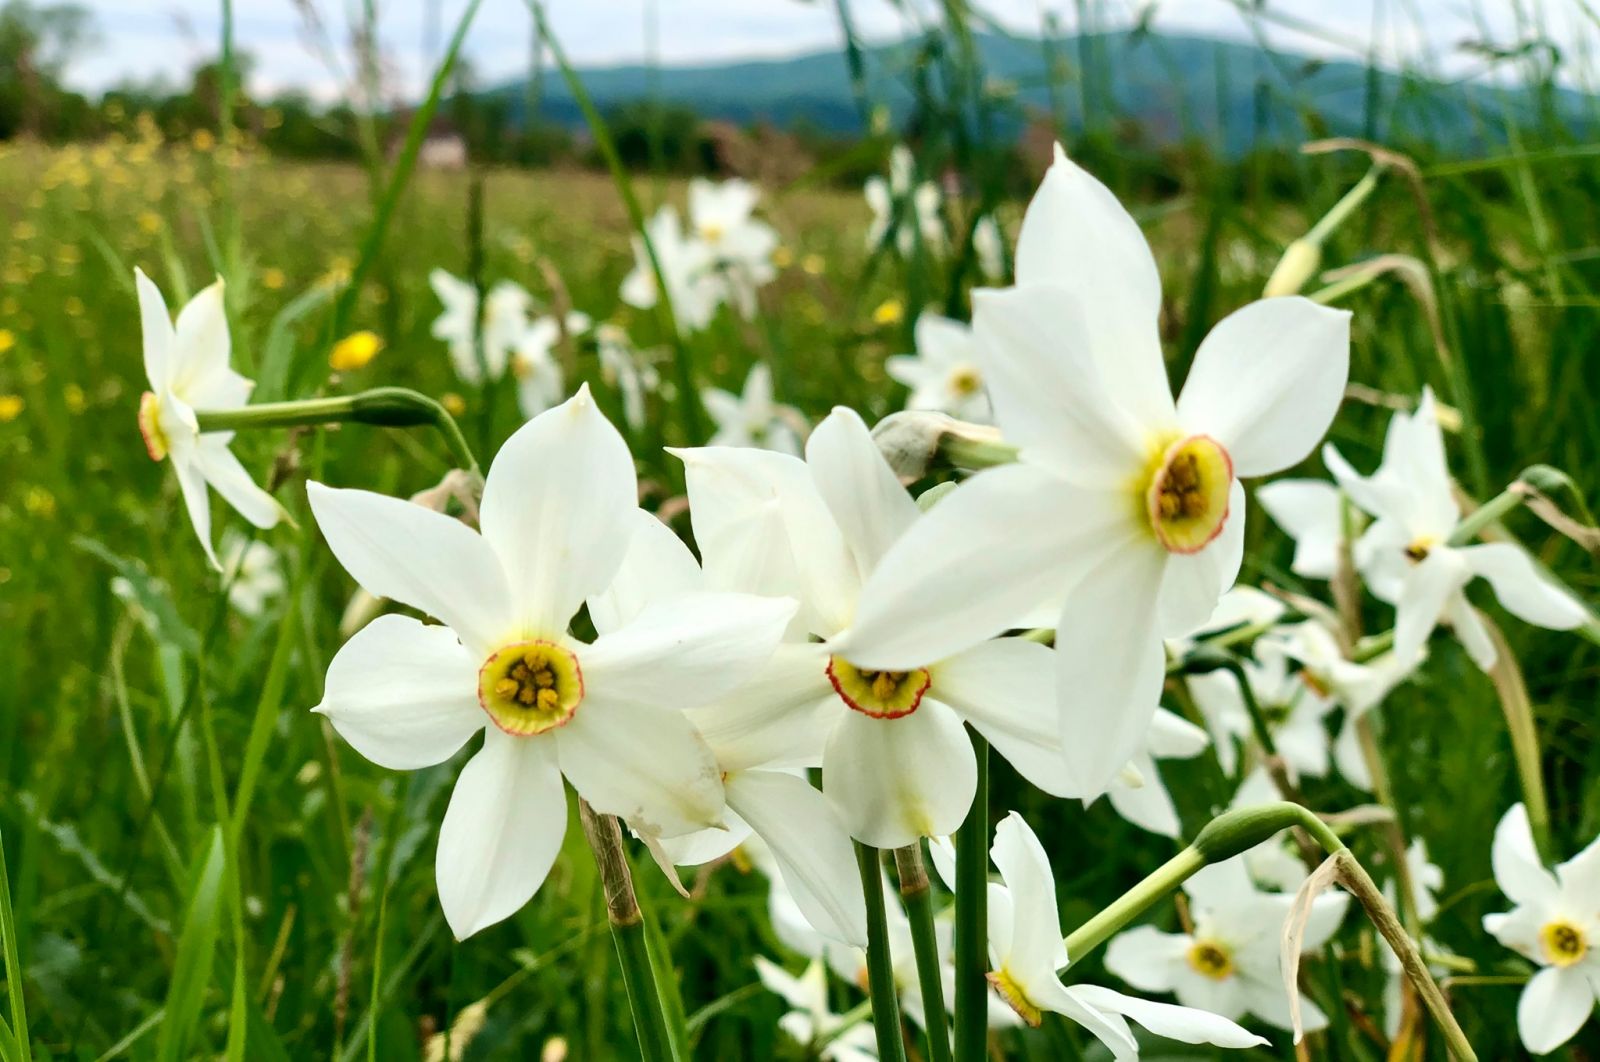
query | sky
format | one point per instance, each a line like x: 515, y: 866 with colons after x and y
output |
x: 145, y: 39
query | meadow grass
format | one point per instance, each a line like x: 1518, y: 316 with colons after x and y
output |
x: 196, y: 863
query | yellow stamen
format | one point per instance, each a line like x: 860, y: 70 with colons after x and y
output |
x: 1185, y: 493
x: 1212, y: 959
x: 530, y: 687
x: 965, y: 380
x: 1564, y: 943
x: 1418, y: 550
x: 880, y: 694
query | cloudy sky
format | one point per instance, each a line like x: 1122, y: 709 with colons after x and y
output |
x: 142, y: 39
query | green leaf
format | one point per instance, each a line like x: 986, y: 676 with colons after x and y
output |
x: 8, y: 931
x: 197, y: 947
x: 148, y: 597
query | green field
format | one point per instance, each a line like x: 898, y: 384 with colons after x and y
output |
x: 195, y: 862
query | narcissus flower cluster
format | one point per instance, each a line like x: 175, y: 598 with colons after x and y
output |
x: 826, y: 671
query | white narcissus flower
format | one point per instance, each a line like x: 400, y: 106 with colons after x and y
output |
x: 912, y: 208
x: 895, y: 759
x: 1426, y: 880
x: 1293, y: 709
x: 753, y: 418
x: 1229, y: 963
x: 802, y: 831
x: 1242, y: 606
x: 1125, y: 510
x: 989, y: 248
x: 622, y: 367
x: 695, y: 288
x: 534, y: 365
x: 1026, y: 951
x: 1357, y: 688
x: 791, y: 927
x: 501, y: 325
x: 1406, y: 556
x: 557, y: 520
x: 1556, y: 924
x: 741, y: 245
x: 811, y: 1018
x: 187, y: 367
x: 251, y: 572
x: 943, y: 374
x: 1310, y: 511
x: 1138, y: 794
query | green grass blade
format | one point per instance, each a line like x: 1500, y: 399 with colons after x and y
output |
x: 688, y: 396
x: 8, y: 930
x: 372, y: 244
x: 197, y: 946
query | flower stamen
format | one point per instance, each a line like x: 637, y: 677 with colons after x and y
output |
x: 1187, y: 496
x: 530, y: 687
x: 964, y: 381
x: 1564, y: 943
x: 880, y: 694
x: 1212, y: 959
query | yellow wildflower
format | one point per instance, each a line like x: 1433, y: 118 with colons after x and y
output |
x: 354, y: 351
x: 889, y: 312
x: 11, y: 407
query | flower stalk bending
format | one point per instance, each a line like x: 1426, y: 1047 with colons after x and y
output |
x: 389, y: 407
x: 1237, y: 832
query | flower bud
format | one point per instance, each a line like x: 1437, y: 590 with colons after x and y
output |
x: 913, y: 441
x: 1299, y: 264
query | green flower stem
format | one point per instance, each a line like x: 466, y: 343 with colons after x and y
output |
x: 627, y: 931
x: 1239, y: 831
x: 1233, y: 636
x: 1488, y: 513
x: 971, y: 929
x: 1125, y: 908
x: 1347, y: 204
x: 1204, y: 661
x: 918, y: 898
x: 880, y: 964
x: 390, y: 407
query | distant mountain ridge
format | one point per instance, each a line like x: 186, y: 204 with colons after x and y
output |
x: 1231, y: 94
